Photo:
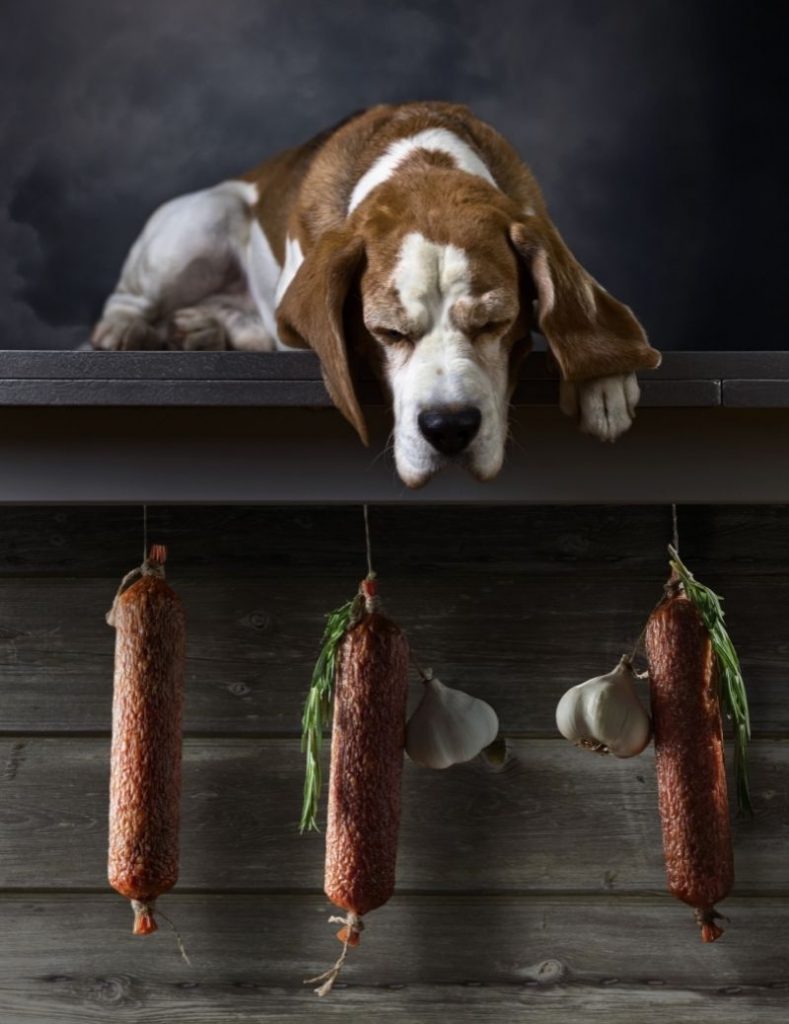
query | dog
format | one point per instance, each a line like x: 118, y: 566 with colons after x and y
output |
x: 411, y: 236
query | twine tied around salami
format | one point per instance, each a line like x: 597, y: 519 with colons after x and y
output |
x: 145, y: 757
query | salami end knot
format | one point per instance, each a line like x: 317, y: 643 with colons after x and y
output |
x: 352, y: 928
x: 706, y: 918
x: 368, y: 589
x: 144, y: 921
x: 157, y: 555
x: 153, y: 565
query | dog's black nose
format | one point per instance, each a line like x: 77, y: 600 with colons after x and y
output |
x: 450, y: 432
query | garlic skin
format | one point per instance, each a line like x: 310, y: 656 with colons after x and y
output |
x: 605, y: 713
x: 448, y: 726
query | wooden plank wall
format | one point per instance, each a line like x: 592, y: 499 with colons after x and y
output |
x: 528, y: 890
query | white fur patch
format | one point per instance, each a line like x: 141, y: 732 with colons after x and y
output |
x: 192, y: 247
x: 294, y: 258
x: 436, y: 139
x: 604, y: 406
x: 263, y: 273
x: 429, y: 278
x: 444, y: 368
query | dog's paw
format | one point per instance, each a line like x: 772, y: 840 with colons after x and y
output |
x: 116, y: 334
x: 195, y: 330
x: 247, y: 334
x: 604, y: 406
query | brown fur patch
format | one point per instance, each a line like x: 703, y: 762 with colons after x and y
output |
x: 305, y: 193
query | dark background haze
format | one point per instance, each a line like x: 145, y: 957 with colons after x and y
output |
x: 656, y: 128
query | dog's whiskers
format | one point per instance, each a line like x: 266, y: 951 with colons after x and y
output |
x: 388, y: 447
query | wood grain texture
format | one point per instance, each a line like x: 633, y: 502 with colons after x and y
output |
x: 532, y: 891
x: 552, y: 818
x: 516, y: 639
x: 328, y: 541
x: 69, y: 959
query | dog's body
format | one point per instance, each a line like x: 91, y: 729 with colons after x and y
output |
x: 412, y: 235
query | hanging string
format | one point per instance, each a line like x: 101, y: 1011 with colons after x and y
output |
x: 674, y: 528
x: 634, y: 653
x: 144, y: 532
x: 370, y: 570
x: 179, y: 941
x: 674, y: 547
x: 353, y: 927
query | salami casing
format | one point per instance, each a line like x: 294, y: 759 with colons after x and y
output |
x: 368, y: 740
x: 145, y: 760
x: 689, y: 753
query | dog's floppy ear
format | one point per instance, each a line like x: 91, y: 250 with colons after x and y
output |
x: 590, y: 333
x: 310, y: 315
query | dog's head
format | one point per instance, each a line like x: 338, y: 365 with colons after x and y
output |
x: 439, y: 288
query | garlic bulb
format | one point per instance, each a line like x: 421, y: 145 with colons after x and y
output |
x: 448, y: 726
x: 605, y: 714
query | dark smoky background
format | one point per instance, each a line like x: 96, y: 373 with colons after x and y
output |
x: 656, y: 128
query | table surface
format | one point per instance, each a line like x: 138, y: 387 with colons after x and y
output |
x: 246, y: 379
x: 231, y: 428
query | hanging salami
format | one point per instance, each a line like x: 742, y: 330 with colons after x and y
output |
x: 360, y: 688
x: 694, y: 672
x: 145, y: 759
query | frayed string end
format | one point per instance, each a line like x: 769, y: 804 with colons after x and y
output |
x: 349, y: 936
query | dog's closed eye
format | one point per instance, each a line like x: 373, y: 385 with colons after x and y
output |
x: 390, y: 335
x: 491, y: 328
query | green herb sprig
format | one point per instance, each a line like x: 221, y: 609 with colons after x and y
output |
x: 732, y: 685
x: 317, y: 713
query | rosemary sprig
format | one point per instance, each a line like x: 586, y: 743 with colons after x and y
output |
x: 733, y: 694
x: 318, y: 708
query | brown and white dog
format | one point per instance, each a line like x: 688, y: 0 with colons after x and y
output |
x: 412, y: 236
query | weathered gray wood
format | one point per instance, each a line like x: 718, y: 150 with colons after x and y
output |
x: 552, y: 818
x: 65, y: 960
x: 255, y: 540
x: 516, y: 639
x: 40, y: 540
x: 529, y: 892
x: 107, y: 1000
